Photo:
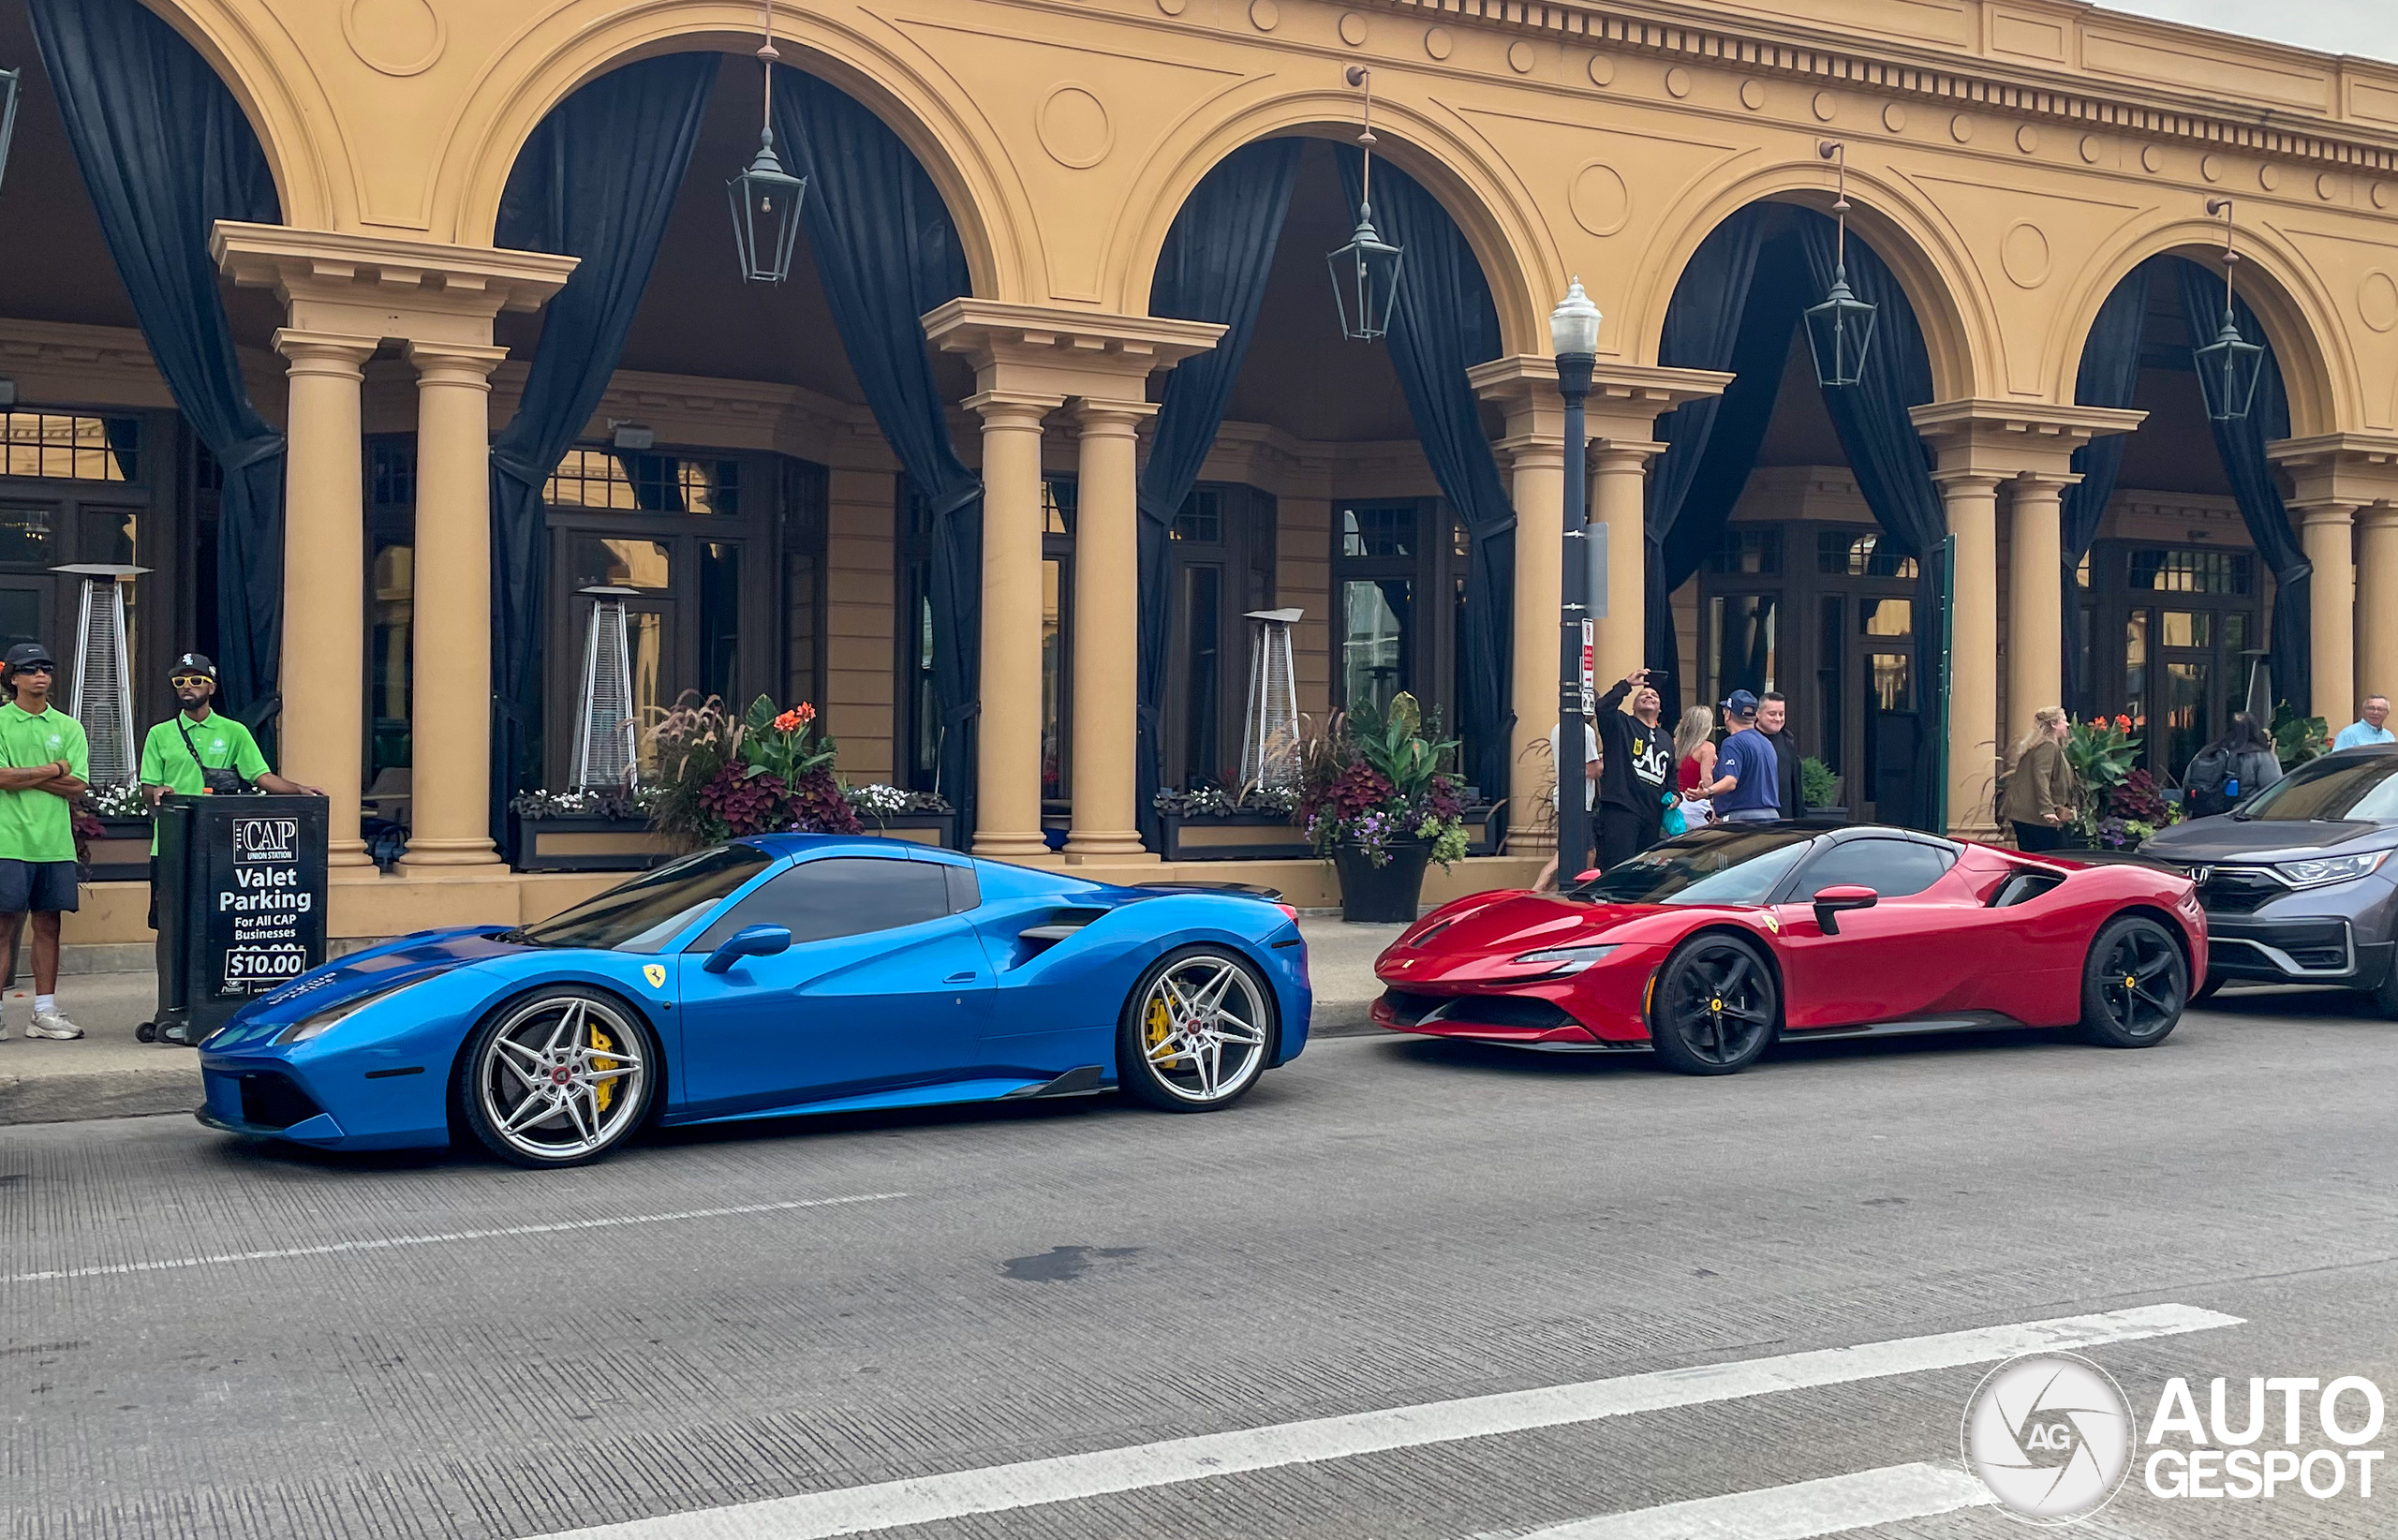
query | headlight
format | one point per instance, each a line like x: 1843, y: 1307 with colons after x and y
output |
x: 332, y: 1015
x: 2329, y: 868
x: 1569, y: 959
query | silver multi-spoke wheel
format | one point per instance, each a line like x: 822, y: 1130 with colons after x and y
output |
x: 1200, y: 1032
x: 558, y: 1079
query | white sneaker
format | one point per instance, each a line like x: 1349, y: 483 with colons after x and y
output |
x: 52, y: 1023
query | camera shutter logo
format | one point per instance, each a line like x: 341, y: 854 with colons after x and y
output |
x: 2050, y: 1435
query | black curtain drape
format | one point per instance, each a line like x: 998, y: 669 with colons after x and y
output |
x: 1710, y: 443
x: 166, y: 153
x: 2108, y: 376
x: 2242, y: 443
x: 887, y: 253
x: 1892, y: 467
x: 1443, y: 322
x: 1213, y: 268
x: 597, y: 180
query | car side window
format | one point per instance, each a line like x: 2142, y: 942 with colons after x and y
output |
x: 839, y: 895
x: 1892, y: 867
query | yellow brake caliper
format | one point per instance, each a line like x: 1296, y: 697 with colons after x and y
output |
x: 605, y: 1091
x: 1160, y: 1025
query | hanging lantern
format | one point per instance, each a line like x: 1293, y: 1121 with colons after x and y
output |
x: 1840, y: 329
x: 11, y: 85
x: 765, y: 199
x: 2229, y: 366
x: 1364, y: 273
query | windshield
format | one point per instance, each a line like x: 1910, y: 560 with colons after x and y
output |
x: 1728, y: 865
x: 645, y: 913
x: 2364, y: 789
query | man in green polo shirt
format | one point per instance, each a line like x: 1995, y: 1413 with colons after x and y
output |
x: 43, y: 762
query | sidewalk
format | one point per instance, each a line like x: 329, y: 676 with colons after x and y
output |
x: 106, y: 1074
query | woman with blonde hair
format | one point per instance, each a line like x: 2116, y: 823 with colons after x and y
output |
x: 1695, y: 753
x: 2039, y: 794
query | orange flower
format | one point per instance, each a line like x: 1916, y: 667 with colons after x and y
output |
x: 788, y: 722
x: 2124, y: 722
x: 805, y: 712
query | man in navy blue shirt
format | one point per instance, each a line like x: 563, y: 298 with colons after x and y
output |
x: 1746, y: 767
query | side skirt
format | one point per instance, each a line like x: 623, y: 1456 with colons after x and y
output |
x: 1971, y: 1021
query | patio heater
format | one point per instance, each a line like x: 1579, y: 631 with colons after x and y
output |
x: 604, y: 725
x: 1269, y: 734
x: 102, y: 699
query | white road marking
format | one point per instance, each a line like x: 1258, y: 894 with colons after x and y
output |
x: 922, y: 1500
x: 387, y: 1243
x: 1800, y: 1511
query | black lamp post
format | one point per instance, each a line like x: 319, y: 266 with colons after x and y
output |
x: 2229, y: 367
x: 1840, y: 330
x: 1364, y: 273
x: 765, y: 199
x: 1574, y: 332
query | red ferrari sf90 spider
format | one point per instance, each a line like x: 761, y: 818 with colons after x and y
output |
x: 1712, y: 944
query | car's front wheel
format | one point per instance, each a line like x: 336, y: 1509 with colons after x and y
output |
x: 1713, y: 1006
x: 1198, y: 1030
x: 2133, y: 985
x: 557, y: 1078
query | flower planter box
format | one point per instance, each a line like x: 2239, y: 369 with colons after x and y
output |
x: 921, y: 828
x: 584, y: 842
x: 1233, y: 837
x: 122, y: 855
x: 1390, y: 893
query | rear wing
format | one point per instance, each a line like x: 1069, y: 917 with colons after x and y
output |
x: 1272, y: 895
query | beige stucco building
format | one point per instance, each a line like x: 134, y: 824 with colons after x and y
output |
x: 2011, y: 161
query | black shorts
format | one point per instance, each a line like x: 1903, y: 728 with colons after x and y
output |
x: 38, y: 887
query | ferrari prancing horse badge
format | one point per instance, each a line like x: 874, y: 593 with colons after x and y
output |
x: 655, y: 973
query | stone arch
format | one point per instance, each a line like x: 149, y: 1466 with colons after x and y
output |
x: 2326, y: 391
x: 529, y: 79
x: 280, y: 97
x: 1495, y: 214
x: 1954, y: 310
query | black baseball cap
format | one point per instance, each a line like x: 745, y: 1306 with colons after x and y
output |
x: 1740, y: 704
x: 192, y: 662
x: 24, y: 653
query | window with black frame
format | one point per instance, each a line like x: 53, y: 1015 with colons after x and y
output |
x: 1396, y: 570
x: 2174, y: 631
x: 1220, y: 554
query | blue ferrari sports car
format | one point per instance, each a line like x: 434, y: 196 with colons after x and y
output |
x: 763, y: 978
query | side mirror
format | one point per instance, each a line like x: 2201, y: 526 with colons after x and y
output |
x: 1830, y: 901
x: 748, y: 941
x: 1591, y: 875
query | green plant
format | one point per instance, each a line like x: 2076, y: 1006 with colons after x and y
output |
x: 1817, y: 785
x: 1373, y: 777
x: 2100, y: 753
x: 1393, y: 743
x: 2298, y: 739
x: 784, y: 744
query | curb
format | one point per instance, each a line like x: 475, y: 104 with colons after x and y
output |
x: 171, y: 1086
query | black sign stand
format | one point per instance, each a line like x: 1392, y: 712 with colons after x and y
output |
x: 242, y: 903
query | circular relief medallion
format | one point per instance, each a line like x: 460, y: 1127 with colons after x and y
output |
x: 2268, y: 177
x: 2326, y: 187
x: 1074, y: 128
x: 1602, y: 204
x: 2381, y: 195
x: 1894, y: 117
x: 2024, y: 254
x: 2152, y: 159
x: 1438, y: 43
x: 1678, y: 81
x: 2211, y: 167
x: 1265, y: 15
x: 1961, y: 128
x: 1602, y: 69
x: 1519, y: 56
x: 2092, y: 148
x: 2027, y: 138
x: 393, y: 36
x: 2378, y: 301
x: 1353, y: 29
x: 1753, y: 95
x: 1172, y: 7
x: 1825, y: 105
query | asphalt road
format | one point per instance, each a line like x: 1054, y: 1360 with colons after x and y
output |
x: 199, y: 1338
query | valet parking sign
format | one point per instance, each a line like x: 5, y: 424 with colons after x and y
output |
x: 260, y: 919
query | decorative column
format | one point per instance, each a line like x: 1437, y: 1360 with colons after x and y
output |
x: 450, y: 731
x: 1619, y: 502
x: 1107, y: 633
x: 2343, y: 488
x: 324, y: 593
x: 2036, y: 602
x: 1008, y: 759
x: 2376, y: 671
x: 1971, y: 499
x: 1534, y: 454
x: 2339, y: 631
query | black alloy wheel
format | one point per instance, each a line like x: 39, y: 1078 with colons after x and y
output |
x: 2134, y: 985
x: 1714, y: 1006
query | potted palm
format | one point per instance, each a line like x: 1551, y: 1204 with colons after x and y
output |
x: 1375, y: 801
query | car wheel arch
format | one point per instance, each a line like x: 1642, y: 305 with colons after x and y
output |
x: 1760, y: 945
x: 632, y: 1008
x: 2173, y: 927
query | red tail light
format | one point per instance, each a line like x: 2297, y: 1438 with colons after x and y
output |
x: 1290, y: 912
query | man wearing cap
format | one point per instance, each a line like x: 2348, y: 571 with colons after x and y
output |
x: 1747, y: 769
x: 178, y: 754
x: 43, y: 762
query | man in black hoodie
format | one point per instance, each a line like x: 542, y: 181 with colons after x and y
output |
x: 1773, y: 720
x: 1637, y: 770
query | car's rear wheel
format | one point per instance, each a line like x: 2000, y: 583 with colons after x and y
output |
x: 558, y: 1078
x: 2133, y: 985
x: 1196, y: 1031
x: 1713, y: 1006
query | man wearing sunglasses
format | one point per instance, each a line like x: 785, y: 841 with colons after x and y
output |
x: 43, y: 762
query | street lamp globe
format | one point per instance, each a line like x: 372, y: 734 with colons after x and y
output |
x: 1574, y: 325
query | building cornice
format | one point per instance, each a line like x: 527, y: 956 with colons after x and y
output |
x: 1985, y: 79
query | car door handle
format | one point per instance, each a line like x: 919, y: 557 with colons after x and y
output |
x: 967, y: 977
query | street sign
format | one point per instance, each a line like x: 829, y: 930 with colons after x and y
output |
x: 243, y: 910
x: 1595, y: 561
x: 1589, y: 668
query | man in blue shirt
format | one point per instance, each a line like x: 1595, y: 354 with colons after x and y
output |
x: 1746, y: 767
x: 2358, y: 734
